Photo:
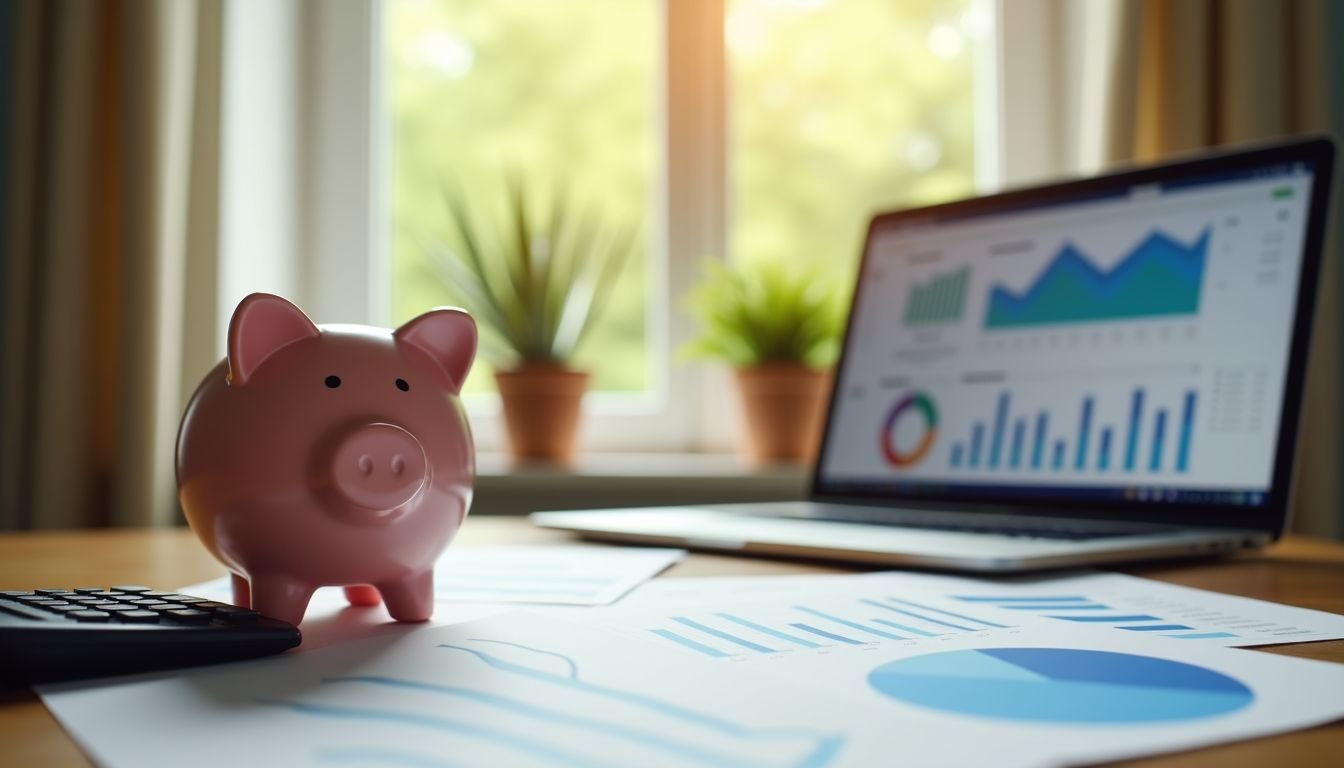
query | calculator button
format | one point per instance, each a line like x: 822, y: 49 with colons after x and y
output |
x: 131, y: 588
x: 209, y: 605
x: 90, y: 615
x: 185, y: 600
x: 138, y: 617
x: 155, y: 595
x: 54, y: 605
x: 82, y: 599
x: 33, y: 598
x: 119, y: 608
x: 103, y: 593
x: 235, y: 615
x: 147, y: 602
x: 163, y: 607
x: 13, y: 593
x: 189, y: 616
x: 99, y: 603
x: 88, y: 590
x: 67, y: 608
x: 27, y: 611
x: 50, y: 592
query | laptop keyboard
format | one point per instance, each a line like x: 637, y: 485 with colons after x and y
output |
x: 989, y: 525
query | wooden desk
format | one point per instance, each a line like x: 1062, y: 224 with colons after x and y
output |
x: 1303, y: 572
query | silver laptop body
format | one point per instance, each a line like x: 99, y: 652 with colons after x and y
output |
x: 1101, y: 370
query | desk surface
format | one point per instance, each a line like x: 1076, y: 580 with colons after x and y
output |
x: 1298, y: 571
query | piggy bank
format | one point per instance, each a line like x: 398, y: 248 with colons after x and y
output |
x: 330, y: 456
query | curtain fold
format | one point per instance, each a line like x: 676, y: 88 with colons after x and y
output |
x: 105, y: 188
x: 1199, y: 73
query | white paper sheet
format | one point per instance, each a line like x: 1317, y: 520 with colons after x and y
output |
x: 525, y: 689
x: 542, y: 575
x: 1128, y: 604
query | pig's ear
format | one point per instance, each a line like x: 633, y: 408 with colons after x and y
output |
x: 261, y: 325
x: 448, y: 336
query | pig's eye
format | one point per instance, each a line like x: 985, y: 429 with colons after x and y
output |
x: 333, y: 382
x: 403, y: 386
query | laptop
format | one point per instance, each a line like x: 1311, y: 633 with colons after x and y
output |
x: 1100, y: 370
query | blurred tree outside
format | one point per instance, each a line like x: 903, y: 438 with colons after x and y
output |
x: 836, y: 109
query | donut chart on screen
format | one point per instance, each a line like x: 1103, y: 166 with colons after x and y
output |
x: 917, y: 405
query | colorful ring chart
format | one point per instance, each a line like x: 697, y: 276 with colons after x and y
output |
x: 924, y: 405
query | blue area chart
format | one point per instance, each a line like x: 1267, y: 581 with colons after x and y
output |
x: 1060, y: 685
x: 1159, y: 277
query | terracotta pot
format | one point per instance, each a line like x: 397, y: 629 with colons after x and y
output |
x: 784, y: 405
x: 541, y: 410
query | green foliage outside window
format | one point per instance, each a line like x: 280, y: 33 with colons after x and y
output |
x: 836, y: 108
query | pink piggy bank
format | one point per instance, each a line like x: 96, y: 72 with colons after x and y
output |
x: 332, y: 456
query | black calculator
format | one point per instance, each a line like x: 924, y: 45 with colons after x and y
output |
x: 48, y: 635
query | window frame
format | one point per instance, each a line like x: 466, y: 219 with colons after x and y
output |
x: 346, y: 268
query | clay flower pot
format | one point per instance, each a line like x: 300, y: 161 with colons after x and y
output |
x: 541, y: 410
x: 784, y: 405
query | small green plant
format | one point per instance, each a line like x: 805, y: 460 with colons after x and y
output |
x: 537, y: 285
x: 766, y: 312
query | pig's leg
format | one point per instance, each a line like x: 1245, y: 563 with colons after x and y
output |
x: 362, y: 594
x: 242, y: 595
x: 280, y: 597
x: 411, y: 598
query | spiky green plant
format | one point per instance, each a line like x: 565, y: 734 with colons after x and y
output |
x: 537, y: 285
x: 766, y: 312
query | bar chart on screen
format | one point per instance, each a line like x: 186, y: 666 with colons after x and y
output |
x: 1155, y: 437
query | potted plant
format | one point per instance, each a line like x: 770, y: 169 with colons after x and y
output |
x: 779, y: 326
x: 537, y: 286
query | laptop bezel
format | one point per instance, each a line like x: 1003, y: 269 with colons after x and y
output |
x: 1272, y: 515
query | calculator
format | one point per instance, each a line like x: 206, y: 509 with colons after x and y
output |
x: 54, y: 634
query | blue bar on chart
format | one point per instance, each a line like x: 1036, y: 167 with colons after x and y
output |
x: 977, y: 437
x: 1058, y: 462
x: 775, y: 633
x: 1159, y: 431
x: 1132, y: 446
x: 1000, y: 423
x: 1104, y: 456
x: 1187, y: 427
x: 1084, y: 427
x: 956, y: 455
x: 1019, y: 432
x: 1038, y: 442
x: 689, y: 643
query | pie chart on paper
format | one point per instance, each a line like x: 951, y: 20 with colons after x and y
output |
x: 1060, y: 685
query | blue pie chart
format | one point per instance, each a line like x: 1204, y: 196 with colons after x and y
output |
x: 1060, y: 685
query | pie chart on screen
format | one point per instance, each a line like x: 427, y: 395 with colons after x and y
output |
x: 1060, y: 685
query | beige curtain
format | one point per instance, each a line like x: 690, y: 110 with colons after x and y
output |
x: 108, y: 149
x: 1187, y: 74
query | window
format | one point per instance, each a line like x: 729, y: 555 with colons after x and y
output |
x: 556, y: 99
x: 832, y: 110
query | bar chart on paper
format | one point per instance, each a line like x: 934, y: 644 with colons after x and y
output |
x: 1138, y: 606
x: 816, y: 624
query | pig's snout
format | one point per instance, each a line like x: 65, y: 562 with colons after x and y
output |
x: 378, y: 467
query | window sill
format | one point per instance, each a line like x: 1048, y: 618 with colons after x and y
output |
x: 630, y: 480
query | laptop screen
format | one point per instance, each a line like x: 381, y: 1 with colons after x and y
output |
x: 1127, y: 341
